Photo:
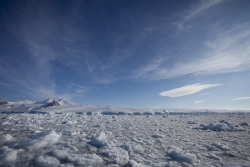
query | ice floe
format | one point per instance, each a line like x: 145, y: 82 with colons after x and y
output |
x: 82, y: 160
x: 99, y: 140
x: 7, y: 155
x: 180, y: 155
x: 116, y: 155
x: 123, y: 140
x: 46, y: 161
x: 221, y: 126
x: 37, y: 141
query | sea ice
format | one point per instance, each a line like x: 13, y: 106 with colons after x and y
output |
x: 181, y: 155
x: 71, y: 131
x: 46, y: 161
x: 243, y: 124
x: 157, y: 135
x: 37, y: 141
x: 83, y: 160
x: 220, y: 146
x: 7, y: 155
x: 100, y: 140
x: 115, y: 155
x: 60, y: 154
x: 238, y: 164
x: 132, y: 147
x: 192, y: 122
x: 221, y: 126
x: 133, y: 163
x: 213, y: 156
x: 6, y: 139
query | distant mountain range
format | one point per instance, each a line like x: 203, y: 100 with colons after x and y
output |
x: 59, y: 106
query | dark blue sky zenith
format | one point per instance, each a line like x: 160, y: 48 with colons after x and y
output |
x: 183, y: 54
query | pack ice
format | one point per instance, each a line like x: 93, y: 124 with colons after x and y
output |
x: 55, y: 133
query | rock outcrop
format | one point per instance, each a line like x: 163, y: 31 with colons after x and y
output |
x: 53, y: 103
x: 2, y: 101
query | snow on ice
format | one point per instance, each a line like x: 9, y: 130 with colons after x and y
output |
x: 7, y: 155
x: 46, y: 161
x: 68, y: 135
x: 182, y: 156
x: 38, y: 141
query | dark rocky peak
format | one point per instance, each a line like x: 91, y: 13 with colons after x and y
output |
x: 53, y: 103
x: 2, y: 101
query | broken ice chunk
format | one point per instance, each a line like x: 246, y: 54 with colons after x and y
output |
x: 213, y: 156
x: 85, y: 160
x: 46, y: 161
x: 7, y: 155
x: 60, y: 154
x: 115, y: 155
x: 133, y: 163
x: 220, y: 146
x: 6, y: 139
x: 71, y: 131
x: 181, y: 155
x: 37, y: 141
x: 156, y: 135
x: 100, y: 140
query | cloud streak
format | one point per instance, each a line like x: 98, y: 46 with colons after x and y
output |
x: 196, y: 102
x: 196, y: 11
x: 187, y: 90
x: 228, y: 52
x: 241, y: 98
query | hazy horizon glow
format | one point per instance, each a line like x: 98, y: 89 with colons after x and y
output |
x: 127, y: 53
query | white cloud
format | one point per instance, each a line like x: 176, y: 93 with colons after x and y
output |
x: 198, y: 102
x: 187, y: 90
x: 241, y: 98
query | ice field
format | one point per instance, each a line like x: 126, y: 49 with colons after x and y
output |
x: 99, y: 137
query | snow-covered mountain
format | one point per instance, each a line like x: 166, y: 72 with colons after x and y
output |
x: 59, y: 101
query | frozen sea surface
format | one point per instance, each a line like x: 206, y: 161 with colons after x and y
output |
x: 71, y: 139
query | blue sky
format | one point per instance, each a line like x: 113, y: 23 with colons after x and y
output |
x: 175, y: 54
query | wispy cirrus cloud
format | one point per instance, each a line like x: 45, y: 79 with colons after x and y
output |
x: 187, y: 90
x: 196, y: 102
x: 241, y: 98
x: 195, y: 11
x: 227, y: 52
